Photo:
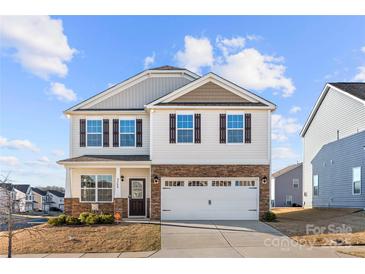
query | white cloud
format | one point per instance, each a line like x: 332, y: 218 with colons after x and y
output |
x: 39, y: 42
x: 44, y: 159
x: 246, y: 66
x: 17, y: 144
x: 295, y: 109
x: 360, y: 76
x: 149, y: 60
x: 62, y: 93
x: 363, y: 49
x: 58, y: 152
x: 283, y: 153
x: 9, y: 160
x: 197, y: 53
x: 283, y: 126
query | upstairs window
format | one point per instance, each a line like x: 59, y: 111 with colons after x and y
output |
x: 127, y: 133
x: 295, y: 183
x: 94, y: 133
x: 356, y: 180
x: 235, y: 128
x: 185, y: 127
x: 315, y: 185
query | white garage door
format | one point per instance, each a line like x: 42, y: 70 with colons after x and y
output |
x: 209, y: 198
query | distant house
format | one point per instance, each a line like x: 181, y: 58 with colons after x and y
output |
x: 55, y: 199
x: 39, y: 198
x: 288, y: 186
x: 24, y: 197
x: 5, y: 190
x: 334, y: 155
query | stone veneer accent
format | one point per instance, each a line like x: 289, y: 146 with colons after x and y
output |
x: 209, y: 171
x: 74, y: 207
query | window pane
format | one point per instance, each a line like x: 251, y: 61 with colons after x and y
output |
x: 93, y: 126
x: 315, y: 185
x: 127, y: 140
x: 356, y: 174
x: 235, y: 121
x: 104, y: 181
x: 87, y: 181
x: 104, y: 195
x: 94, y: 140
x: 127, y: 126
x: 184, y: 135
x: 357, y: 187
x: 235, y: 136
x: 88, y: 195
x: 185, y: 121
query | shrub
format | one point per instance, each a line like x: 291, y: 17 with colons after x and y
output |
x: 83, y: 216
x: 106, y: 219
x: 70, y: 220
x: 269, y: 216
x: 92, y: 219
x: 56, y: 221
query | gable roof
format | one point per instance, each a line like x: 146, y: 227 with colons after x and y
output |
x: 39, y: 191
x: 7, y: 186
x: 216, y: 79
x: 57, y: 193
x: 164, y: 70
x: 354, y: 90
x: 22, y: 188
x: 286, y: 170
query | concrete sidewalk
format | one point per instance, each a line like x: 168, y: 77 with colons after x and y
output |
x: 142, y: 254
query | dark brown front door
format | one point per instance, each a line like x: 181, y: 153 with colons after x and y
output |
x: 137, y: 197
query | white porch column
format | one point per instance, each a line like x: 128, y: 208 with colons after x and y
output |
x: 118, y: 187
x: 68, y: 183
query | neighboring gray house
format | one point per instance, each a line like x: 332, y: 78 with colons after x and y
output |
x: 288, y: 186
x: 339, y: 171
x: 338, y: 113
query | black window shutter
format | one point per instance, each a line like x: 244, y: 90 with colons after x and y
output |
x: 197, y: 129
x: 139, y: 132
x: 115, y: 133
x: 172, y: 128
x: 105, y: 132
x: 222, y: 128
x: 82, y: 132
x: 248, y: 128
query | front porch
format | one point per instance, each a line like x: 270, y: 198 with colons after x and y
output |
x: 120, y: 186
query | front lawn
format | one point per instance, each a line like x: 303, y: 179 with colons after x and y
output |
x: 78, y: 239
x: 322, y: 226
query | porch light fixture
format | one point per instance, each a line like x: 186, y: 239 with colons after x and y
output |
x: 122, y: 178
x: 155, y: 180
x: 264, y: 180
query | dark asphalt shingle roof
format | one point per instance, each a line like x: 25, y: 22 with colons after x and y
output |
x: 57, y: 193
x: 8, y: 187
x: 106, y: 158
x: 167, y: 67
x: 212, y: 104
x: 356, y: 89
x: 22, y: 188
x: 285, y: 170
x: 39, y: 191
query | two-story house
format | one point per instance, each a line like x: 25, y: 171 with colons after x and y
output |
x: 168, y: 144
x: 23, y: 197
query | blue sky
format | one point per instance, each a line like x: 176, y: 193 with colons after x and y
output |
x: 50, y: 63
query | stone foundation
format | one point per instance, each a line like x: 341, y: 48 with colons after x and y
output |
x: 209, y: 171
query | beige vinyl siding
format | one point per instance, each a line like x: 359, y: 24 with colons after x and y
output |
x: 76, y: 150
x: 38, y: 199
x: 337, y: 112
x: 210, y: 151
x: 210, y: 92
x: 142, y: 93
x: 137, y: 173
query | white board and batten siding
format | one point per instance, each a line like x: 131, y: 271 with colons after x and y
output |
x: 210, y: 151
x: 76, y: 150
x: 337, y: 112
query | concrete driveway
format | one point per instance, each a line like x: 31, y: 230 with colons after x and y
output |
x: 232, y: 239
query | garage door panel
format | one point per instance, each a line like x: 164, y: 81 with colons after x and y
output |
x: 209, y: 202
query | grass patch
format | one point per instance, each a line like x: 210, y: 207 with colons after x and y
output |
x: 77, y: 239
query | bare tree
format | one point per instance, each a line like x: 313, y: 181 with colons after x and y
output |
x: 8, y: 204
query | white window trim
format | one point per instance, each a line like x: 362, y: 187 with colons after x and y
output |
x: 243, y: 127
x: 177, y: 128
x: 296, y: 182
x: 353, y: 183
x: 135, y: 132
x: 287, y: 200
x: 102, y: 137
x: 96, y: 189
x: 317, y: 185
